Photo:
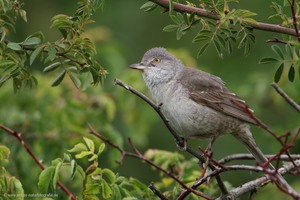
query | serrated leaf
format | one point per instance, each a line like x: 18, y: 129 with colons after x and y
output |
x: 59, y: 79
x: 83, y: 154
x: 170, y: 28
x: 35, y: 54
x: 289, y: 50
x: 16, y: 188
x: 56, y: 175
x: 110, y: 175
x: 32, y: 41
x: 278, y: 73
x: 267, y: 60
x: 23, y: 14
x: 116, y: 192
x: 51, y: 52
x: 202, y: 49
x: 278, y: 51
x: 75, y: 80
x: 179, y: 34
x: 78, y: 148
x: 218, y: 48
x: 45, y: 179
x: 14, y: 46
x: 148, y: 6
x: 73, y: 166
x: 101, y: 149
x: 291, y: 73
x: 89, y: 143
x: 106, y: 190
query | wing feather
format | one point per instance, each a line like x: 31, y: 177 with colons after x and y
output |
x: 209, y: 90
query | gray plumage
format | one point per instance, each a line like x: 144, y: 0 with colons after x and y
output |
x: 197, y: 104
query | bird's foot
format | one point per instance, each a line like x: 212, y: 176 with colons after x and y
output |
x: 181, y: 144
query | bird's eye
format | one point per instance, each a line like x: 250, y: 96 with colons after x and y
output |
x: 157, y: 60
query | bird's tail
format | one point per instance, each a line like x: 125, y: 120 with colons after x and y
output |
x: 245, y: 136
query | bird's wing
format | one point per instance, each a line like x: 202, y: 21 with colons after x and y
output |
x: 209, y: 90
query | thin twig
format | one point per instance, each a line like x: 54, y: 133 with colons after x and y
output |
x: 252, y: 185
x: 248, y: 156
x: 157, y: 192
x: 295, y: 19
x: 210, y: 15
x: 286, y: 97
x: 36, y: 160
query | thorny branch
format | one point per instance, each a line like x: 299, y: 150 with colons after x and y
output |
x: 140, y: 156
x: 286, y: 97
x: 34, y: 157
x: 284, y: 149
x: 210, y: 15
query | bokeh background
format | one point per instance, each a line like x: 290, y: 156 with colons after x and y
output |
x: 52, y: 120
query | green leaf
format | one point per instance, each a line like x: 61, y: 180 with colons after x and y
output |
x: 75, y: 80
x: 83, y: 154
x: 52, y: 67
x: 291, y: 73
x: 51, y: 52
x: 268, y: 60
x: 35, y: 54
x: 218, y: 48
x: 148, y: 6
x: 202, y: 49
x: 32, y: 41
x: 89, y: 143
x: 170, y: 28
x: 110, y: 175
x: 45, y: 179
x: 278, y: 73
x: 58, y: 79
x: 78, y: 148
x: 56, y: 175
x: 73, y: 168
x: 106, y: 190
x: 116, y: 192
x: 278, y: 51
x: 14, y: 46
x: 23, y: 14
x: 101, y: 149
x: 289, y: 50
x: 179, y: 34
x: 16, y: 188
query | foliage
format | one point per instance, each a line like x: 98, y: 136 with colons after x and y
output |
x: 11, y: 187
x: 53, y: 119
x: 229, y: 28
x: 69, y: 56
x: 103, y: 183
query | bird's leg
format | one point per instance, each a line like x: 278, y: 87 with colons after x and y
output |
x: 208, y: 149
x: 181, y: 144
x: 208, y: 153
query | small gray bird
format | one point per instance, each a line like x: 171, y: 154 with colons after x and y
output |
x: 197, y: 104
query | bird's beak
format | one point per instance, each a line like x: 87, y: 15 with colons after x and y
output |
x: 138, y: 66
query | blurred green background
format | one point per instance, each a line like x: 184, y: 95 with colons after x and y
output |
x: 52, y: 120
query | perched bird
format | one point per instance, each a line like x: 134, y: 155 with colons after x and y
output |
x: 196, y: 103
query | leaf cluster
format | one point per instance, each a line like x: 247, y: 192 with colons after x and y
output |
x: 222, y: 34
x: 69, y: 56
x: 10, y: 186
x: 103, y: 183
x: 288, y: 59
